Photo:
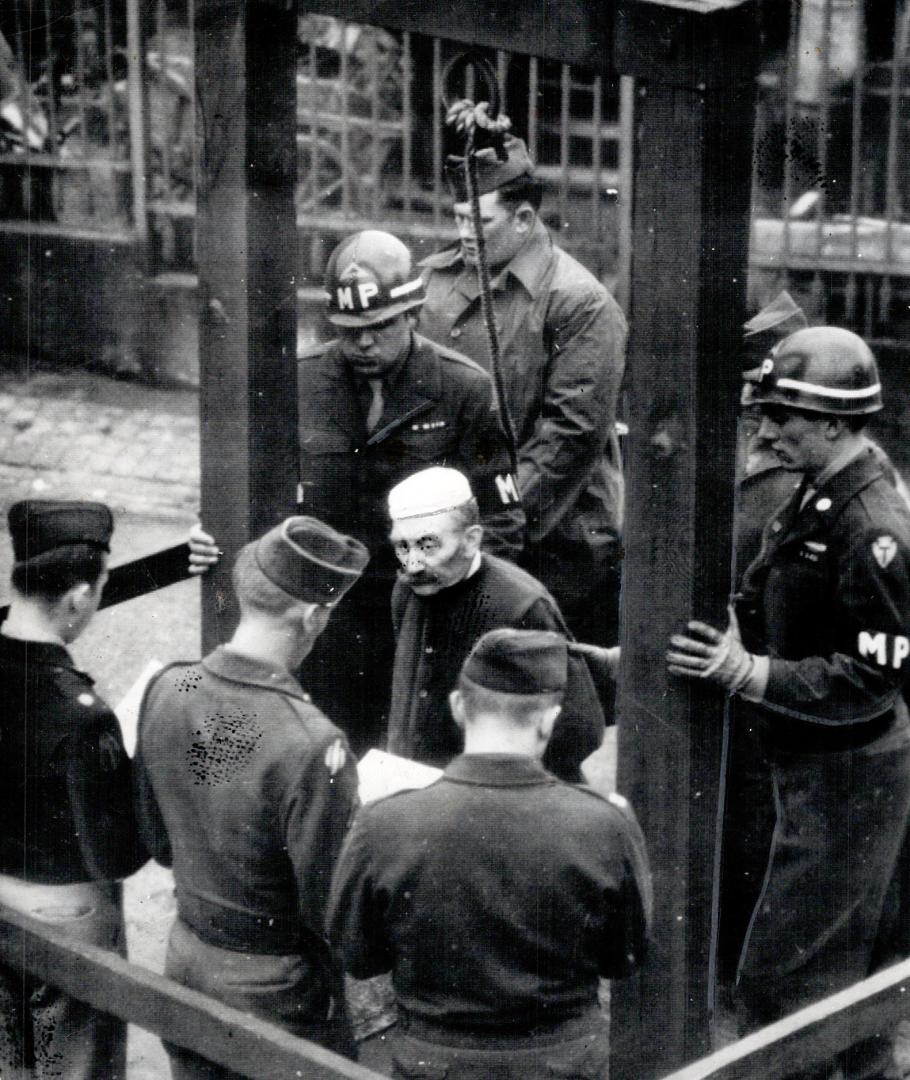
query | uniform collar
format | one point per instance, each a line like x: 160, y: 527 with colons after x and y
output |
x: 827, y: 501
x: 528, y: 266
x: 497, y: 770
x: 238, y: 668
x: 45, y: 653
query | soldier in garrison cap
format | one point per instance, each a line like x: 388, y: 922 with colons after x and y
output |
x: 67, y: 832
x: 449, y: 593
x: 246, y: 789
x: 495, y: 925
x: 562, y: 339
x: 377, y: 403
x: 818, y: 641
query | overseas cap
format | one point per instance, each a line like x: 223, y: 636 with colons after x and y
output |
x: 431, y: 491
x: 518, y: 662
x: 40, y: 525
x: 491, y: 172
x: 775, y: 321
x: 310, y: 560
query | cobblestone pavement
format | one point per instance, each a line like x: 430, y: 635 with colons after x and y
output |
x: 82, y: 436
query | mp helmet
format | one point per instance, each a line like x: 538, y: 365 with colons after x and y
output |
x: 370, y: 278
x: 821, y: 369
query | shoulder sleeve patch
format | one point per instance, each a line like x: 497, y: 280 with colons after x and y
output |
x: 884, y: 548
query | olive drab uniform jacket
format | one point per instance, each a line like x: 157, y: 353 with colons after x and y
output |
x: 438, y: 410
x: 828, y: 600
x: 562, y: 340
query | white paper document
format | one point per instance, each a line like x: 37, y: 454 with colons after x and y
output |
x: 383, y: 774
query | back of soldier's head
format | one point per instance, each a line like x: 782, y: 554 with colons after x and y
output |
x: 300, y: 561
x: 57, y: 545
x: 514, y: 676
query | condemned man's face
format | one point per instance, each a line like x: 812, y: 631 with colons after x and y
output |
x: 435, y: 551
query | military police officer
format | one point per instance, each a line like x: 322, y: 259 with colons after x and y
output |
x: 824, y: 647
x: 376, y: 404
x: 67, y: 831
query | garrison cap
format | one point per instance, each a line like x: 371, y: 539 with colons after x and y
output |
x: 491, y: 172
x: 436, y: 490
x: 310, y: 561
x: 519, y: 662
x: 776, y: 320
x: 41, y: 525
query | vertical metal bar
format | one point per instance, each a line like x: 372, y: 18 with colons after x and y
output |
x: 25, y: 67
x: 565, y: 94
x: 533, y: 89
x: 375, y: 135
x: 109, y: 74
x: 53, y: 122
x: 137, y: 129
x: 437, y: 133
x: 166, y: 162
x: 52, y: 118
x: 344, y: 76
x: 626, y: 174
x: 789, y: 121
x: 596, y: 168
x: 191, y: 22
x: 856, y: 134
x: 315, y: 155
x: 869, y: 306
x: 502, y: 72
x: 407, y: 109
x: 892, y: 207
x: 80, y: 78
x: 823, y: 122
x: 886, y: 291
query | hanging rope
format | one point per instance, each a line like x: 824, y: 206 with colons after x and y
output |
x: 464, y: 115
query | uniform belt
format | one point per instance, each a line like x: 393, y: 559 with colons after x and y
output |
x: 239, y: 931
x: 790, y: 736
x: 507, y: 1036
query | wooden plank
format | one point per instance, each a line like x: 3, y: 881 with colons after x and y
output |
x: 814, y: 1034
x: 690, y: 219
x: 256, y: 1049
x: 247, y: 248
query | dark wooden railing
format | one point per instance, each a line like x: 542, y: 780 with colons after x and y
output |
x: 226, y: 1036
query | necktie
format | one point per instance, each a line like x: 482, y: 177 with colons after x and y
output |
x: 377, y: 403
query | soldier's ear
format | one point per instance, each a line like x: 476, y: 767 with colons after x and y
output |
x: 524, y: 218
x: 456, y: 704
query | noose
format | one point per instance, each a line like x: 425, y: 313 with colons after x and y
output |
x: 463, y: 114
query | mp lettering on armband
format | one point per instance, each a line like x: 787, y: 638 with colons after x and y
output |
x: 887, y: 650
x: 507, y: 489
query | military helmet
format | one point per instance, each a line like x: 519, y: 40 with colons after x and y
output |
x: 371, y: 278
x: 821, y: 369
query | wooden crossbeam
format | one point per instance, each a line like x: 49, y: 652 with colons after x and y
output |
x: 186, y: 1018
x: 813, y: 1035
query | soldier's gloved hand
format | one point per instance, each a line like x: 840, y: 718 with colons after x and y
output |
x: 204, y: 552
x: 710, y: 654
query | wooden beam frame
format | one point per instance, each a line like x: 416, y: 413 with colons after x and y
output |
x: 186, y: 1018
x: 694, y: 61
x: 694, y: 115
x: 246, y: 100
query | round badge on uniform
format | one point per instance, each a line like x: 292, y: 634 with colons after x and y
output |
x: 86, y: 700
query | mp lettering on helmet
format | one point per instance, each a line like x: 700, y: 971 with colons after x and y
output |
x: 887, y: 650
x: 345, y: 298
x: 884, y: 549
